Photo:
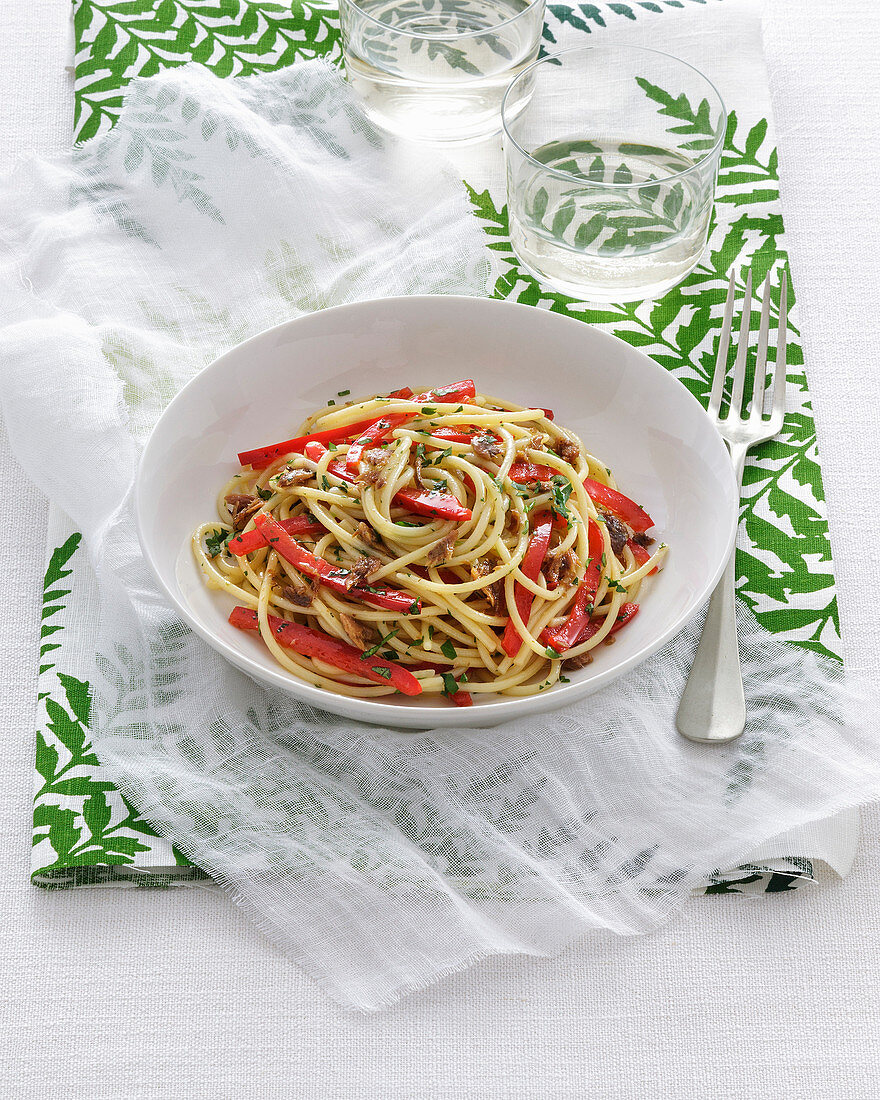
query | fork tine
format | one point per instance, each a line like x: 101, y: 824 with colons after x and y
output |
x: 779, y: 374
x: 761, y: 356
x: 723, y: 349
x: 742, y: 352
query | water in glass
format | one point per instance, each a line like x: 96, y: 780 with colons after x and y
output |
x: 636, y: 235
x: 438, y: 69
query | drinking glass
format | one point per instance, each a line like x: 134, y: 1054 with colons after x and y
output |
x: 612, y: 155
x: 437, y: 70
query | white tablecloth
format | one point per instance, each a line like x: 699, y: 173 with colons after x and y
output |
x: 175, y: 995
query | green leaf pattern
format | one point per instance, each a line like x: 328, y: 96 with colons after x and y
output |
x: 84, y: 831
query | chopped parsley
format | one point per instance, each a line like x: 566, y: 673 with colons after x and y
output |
x: 367, y: 653
x: 552, y: 653
x: 616, y: 586
x: 564, y: 680
x: 428, y: 411
x: 450, y: 684
x: 343, y: 393
x: 561, y: 491
x: 325, y: 484
x: 405, y: 523
x: 430, y: 632
x: 382, y: 671
x: 216, y: 541
x: 264, y: 494
x: 448, y: 650
x: 331, y: 402
x: 414, y: 608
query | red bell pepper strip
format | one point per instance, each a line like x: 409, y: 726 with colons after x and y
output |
x: 454, y: 392
x: 393, y: 599
x: 548, y: 413
x: 527, y: 472
x: 640, y: 554
x: 403, y: 394
x: 624, y: 508
x: 377, y: 431
x: 626, y: 614
x: 423, y: 502
x: 565, y: 637
x: 265, y: 456
x: 462, y: 698
x: 332, y: 651
x: 531, y: 567
x: 431, y: 502
x: 248, y: 541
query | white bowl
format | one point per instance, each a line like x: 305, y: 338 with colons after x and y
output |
x: 628, y: 410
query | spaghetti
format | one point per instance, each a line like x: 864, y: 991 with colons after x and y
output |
x: 440, y: 543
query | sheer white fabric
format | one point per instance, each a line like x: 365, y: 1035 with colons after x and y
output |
x: 379, y: 859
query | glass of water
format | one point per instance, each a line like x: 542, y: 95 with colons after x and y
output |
x: 437, y: 70
x: 612, y: 155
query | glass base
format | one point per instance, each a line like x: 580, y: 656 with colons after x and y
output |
x: 605, y: 293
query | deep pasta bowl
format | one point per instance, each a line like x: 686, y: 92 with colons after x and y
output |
x: 627, y: 409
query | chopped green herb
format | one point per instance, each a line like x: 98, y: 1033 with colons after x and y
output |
x: 265, y: 494
x: 604, y: 559
x: 375, y: 648
x: 325, y: 484
x: 331, y: 446
x: 448, y: 650
x: 381, y: 670
x: 331, y: 402
x: 428, y: 411
x: 552, y: 653
x: 216, y: 541
x: 564, y: 680
x: 450, y: 686
x: 343, y: 393
x: 430, y: 632
x: 562, y: 490
x: 413, y: 608
x: 405, y: 523
x: 616, y: 585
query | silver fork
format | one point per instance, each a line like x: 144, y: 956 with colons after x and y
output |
x: 713, y: 708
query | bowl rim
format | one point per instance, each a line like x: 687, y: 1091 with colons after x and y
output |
x: 413, y: 716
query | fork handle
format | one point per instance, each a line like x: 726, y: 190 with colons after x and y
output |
x: 713, y: 707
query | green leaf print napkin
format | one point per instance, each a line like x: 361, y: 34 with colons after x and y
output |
x: 117, y: 41
x: 426, y: 852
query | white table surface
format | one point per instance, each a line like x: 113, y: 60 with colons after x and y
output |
x: 175, y: 995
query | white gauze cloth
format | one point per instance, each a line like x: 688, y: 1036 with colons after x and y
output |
x: 379, y: 859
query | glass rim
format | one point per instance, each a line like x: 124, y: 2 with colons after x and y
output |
x: 531, y: 5
x: 717, y: 144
